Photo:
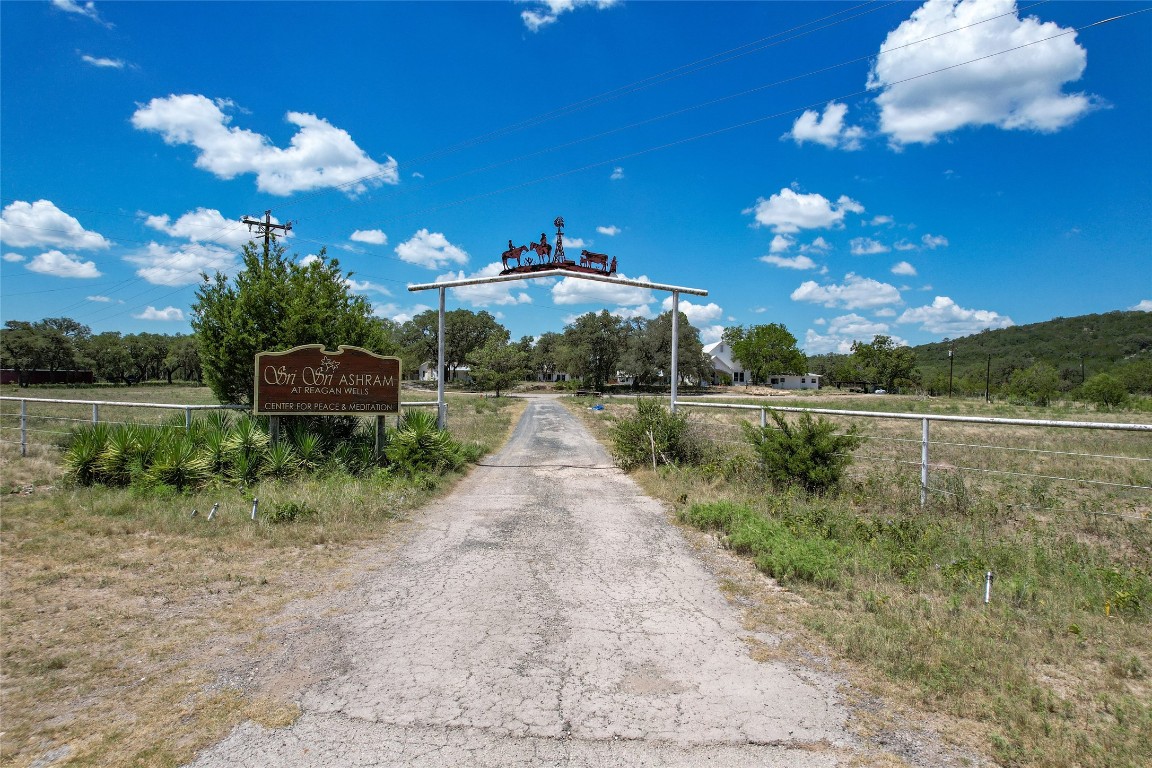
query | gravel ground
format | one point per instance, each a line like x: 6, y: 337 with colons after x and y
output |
x: 545, y: 613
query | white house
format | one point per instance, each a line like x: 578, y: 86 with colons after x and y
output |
x: 721, y: 355
x: 461, y: 374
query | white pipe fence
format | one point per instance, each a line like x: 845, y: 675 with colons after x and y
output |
x: 1139, y: 484
x: 25, y: 429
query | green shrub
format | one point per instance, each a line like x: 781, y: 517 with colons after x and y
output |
x: 808, y: 453
x: 656, y: 434
x: 288, y: 511
x: 1106, y: 391
x: 280, y: 460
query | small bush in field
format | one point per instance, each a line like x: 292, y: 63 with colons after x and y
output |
x: 288, y: 511
x: 656, y: 431
x: 808, y: 453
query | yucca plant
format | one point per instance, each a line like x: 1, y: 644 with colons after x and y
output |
x: 82, y: 455
x: 213, y: 446
x: 418, y: 445
x: 244, y: 467
x: 179, y: 463
x: 280, y: 460
x: 148, y: 442
x: 121, y: 450
x: 247, y: 437
x: 309, y: 448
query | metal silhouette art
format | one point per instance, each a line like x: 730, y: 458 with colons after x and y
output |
x: 548, y: 257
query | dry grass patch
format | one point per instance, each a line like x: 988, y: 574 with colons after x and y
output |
x: 127, y: 623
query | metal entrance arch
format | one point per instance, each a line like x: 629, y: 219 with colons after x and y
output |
x: 675, y: 290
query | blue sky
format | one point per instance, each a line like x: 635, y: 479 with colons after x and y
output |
x: 846, y: 169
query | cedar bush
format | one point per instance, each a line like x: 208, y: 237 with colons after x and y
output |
x: 807, y: 453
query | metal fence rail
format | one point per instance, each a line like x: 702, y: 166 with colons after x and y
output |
x: 26, y: 428
x: 954, y: 454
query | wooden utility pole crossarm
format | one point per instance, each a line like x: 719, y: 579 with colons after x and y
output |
x: 266, y: 228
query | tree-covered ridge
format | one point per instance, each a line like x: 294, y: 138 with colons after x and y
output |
x: 1118, y: 343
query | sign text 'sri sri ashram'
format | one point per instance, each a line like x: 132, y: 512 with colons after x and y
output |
x: 310, y: 381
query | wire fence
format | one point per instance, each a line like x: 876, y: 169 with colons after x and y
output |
x: 1036, y: 465
x: 46, y: 422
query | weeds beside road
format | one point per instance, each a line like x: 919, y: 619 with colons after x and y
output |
x: 1054, y: 671
x: 120, y: 609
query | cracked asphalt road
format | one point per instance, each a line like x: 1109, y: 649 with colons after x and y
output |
x: 545, y: 613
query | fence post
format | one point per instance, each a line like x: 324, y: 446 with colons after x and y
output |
x: 924, y: 465
x: 187, y: 419
x: 763, y: 418
x: 95, y: 413
x: 23, y: 427
x: 380, y: 435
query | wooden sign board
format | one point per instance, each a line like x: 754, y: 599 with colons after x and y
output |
x: 310, y: 381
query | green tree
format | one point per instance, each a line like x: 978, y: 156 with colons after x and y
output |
x: 593, y: 344
x: 183, y: 356
x: 1106, y: 391
x: 545, y: 354
x: 274, y: 304
x: 883, y: 363
x: 109, y: 356
x: 1037, y: 384
x: 22, y: 348
x: 498, y: 365
x: 465, y: 332
x: 649, y: 350
x: 765, y: 350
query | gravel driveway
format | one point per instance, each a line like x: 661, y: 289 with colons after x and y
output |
x: 544, y: 613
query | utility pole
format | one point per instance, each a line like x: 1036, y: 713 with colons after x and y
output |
x: 988, y: 381
x: 950, y: 351
x: 266, y: 228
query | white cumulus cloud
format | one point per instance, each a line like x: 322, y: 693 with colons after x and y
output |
x: 574, y: 290
x: 945, y: 316
x: 610, y: 231
x: 14, y: 257
x: 168, y: 314
x: 60, y: 264
x: 1020, y: 90
x: 489, y: 294
x: 1143, y: 306
x: 617, y: 174
x: 903, y: 268
x: 697, y: 314
x: 166, y: 265
x: 547, y: 12
x: 799, y: 261
x: 855, y: 292
x: 866, y: 246
x: 828, y: 129
x: 788, y: 211
x: 203, y: 225
x: 370, y: 236
x: 88, y: 10
x: 319, y: 156
x: 24, y: 225
x: 431, y: 250
x: 932, y: 242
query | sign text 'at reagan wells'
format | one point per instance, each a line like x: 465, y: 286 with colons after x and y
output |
x: 310, y: 380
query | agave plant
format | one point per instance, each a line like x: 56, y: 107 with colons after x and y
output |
x: 82, y: 455
x: 217, y: 420
x: 179, y: 463
x: 148, y: 443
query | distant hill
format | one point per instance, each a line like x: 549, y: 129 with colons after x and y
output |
x: 1113, y: 342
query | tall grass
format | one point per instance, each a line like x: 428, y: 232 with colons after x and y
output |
x: 1054, y: 670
